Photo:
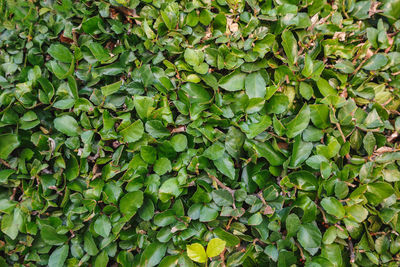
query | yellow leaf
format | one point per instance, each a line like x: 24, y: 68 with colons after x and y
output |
x: 215, y: 247
x: 196, y: 252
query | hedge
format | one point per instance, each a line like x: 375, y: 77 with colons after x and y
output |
x: 199, y: 133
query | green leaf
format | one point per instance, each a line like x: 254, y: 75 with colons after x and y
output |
x: 215, y: 151
x: 378, y: 191
x: 225, y: 166
x: 230, y: 239
x: 7, y: 206
x: 255, y: 85
x: 146, y: 212
x: 143, y: 106
x: 153, y: 254
x: 333, y: 207
x: 357, y: 213
x: 215, y: 247
x: 101, y: 259
x: 170, y: 188
x: 133, y: 132
x: 130, y: 203
x: 60, y: 53
x: 235, y: 81
x: 325, y: 88
x: 299, y: 123
x: 289, y: 44
x: 304, y: 180
x: 391, y: 9
x: 102, y: 226
x: 234, y: 141
x: 8, y: 143
x: 373, y: 120
x: 193, y: 57
x: 99, y: 52
x: 376, y: 62
x: 196, y: 252
x: 266, y: 151
x: 72, y: 170
x: 255, y: 219
x: 58, y: 257
x: 208, y: 214
x: 222, y: 197
x: 277, y: 104
x: 67, y: 125
x: 300, y: 152
x: 309, y: 237
x: 111, y: 88
x: 360, y: 10
x: 196, y: 93
x: 73, y: 87
x: 89, y: 244
x: 179, y: 142
x: 306, y: 90
x: 292, y: 224
x: 391, y: 175
x: 51, y: 237
x: 330, y: 150
x: 369, y: 142
x: 156, y: 129
x: 11, y: 223
x: 320, y: 116
x: 308, y: 66
x: 162, y: 166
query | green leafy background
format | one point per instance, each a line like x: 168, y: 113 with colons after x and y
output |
x: 133, y: 130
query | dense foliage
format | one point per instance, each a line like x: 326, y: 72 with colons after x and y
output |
x: 206, y: 132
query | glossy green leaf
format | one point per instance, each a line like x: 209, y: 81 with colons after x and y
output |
x: 298, y: 124
x: 234, y: 81
x: 333, y: 207
x: 214, y: 247
x: 133, y: 132
x: 67, y: 125
x: 60, y: 53
x: 255, y: 85
x: 196, y: 252
x: 130, y: 203
x: 8, y: 143
x: 58, y: 257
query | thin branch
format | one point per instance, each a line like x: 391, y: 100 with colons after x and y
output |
x: 215, y: 179
x: 230, y: 190
x: 323, y: 214
x: 5, y: 163
x: 351, y: 248
x: 301, y: 251
x: 340, y: 131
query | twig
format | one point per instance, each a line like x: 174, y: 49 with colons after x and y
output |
x: 340, y: 131
x: 351, y: 248
x: 5, y: 163
x: 339, y: 227
x: 369, y: 130
x: 277, y: 136
x: 222, y: 256
x: 215, y: 179
x: 364, y: 60
x: 301, y: 251
x: 13, y: 193
x: 323, y: 214
x: 218, y: 182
